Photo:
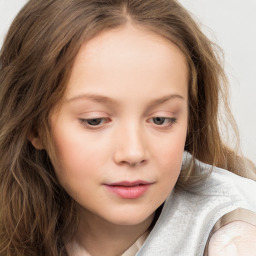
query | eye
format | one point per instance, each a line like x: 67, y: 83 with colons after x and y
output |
x: 163, y: 121
x: 94, y: 122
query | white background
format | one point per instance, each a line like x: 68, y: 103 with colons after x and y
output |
x: 232, y: 25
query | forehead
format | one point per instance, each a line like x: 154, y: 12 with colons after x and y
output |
x: 128, y: 57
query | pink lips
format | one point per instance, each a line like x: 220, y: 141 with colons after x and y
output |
x: 129, y: 190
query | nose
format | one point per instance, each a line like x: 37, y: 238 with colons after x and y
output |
x: 131, y: 148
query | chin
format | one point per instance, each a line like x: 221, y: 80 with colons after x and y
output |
x: 130, y: 218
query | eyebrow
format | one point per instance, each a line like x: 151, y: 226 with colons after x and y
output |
x: 92, y: 97
x: 163, y: 99
x: 107, y: 100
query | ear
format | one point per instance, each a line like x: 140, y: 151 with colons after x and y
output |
x: 36, y: 141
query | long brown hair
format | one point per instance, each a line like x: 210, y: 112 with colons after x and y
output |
x: 36, y: 214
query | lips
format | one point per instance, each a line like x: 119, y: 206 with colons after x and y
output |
x: 129, y: 190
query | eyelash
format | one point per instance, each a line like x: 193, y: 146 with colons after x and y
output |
x: 101, y: 120
x: 167, y: 122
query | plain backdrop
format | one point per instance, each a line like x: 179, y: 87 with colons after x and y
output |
x: 232, y: 25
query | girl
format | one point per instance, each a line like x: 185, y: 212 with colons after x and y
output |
x: 109, y: 135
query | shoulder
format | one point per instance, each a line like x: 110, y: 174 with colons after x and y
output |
x: 233, y: 234
x: 233, y: 239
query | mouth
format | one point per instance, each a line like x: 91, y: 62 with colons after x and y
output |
x: 128, y: 189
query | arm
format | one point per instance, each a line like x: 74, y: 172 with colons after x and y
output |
x: 234, y: 239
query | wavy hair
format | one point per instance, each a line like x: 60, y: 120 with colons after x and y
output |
x: 37, y: 216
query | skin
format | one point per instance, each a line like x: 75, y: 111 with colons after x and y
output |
x: 235, y: 238
x: 123, y: 79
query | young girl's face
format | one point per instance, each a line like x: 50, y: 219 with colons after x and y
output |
x: 120, y: 132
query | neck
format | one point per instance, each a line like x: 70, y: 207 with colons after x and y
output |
x: 97, y: 236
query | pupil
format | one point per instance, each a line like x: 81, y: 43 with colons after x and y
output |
x: 159, y: 120
x: 95, y: 121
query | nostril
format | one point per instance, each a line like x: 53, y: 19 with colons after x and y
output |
x: 134, y: 164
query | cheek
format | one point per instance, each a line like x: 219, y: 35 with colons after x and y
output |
x: 172, y: 147
x: 169, y: 155
x: 171, y: 162
x: 74, y: 166
x: 70, y: 157
x: 73, y: 145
